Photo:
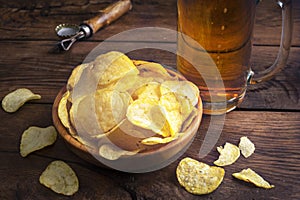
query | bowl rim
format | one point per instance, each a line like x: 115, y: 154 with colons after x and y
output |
x: 65, y: 134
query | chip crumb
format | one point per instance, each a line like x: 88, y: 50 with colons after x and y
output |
x: 60, y: 178
x: 228, y: 155
x: 197, y: 177
x: 246, y: 146
x: 251, y: 176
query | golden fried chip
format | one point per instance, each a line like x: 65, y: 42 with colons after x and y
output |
x: 185, y: 88
x: 35, y: 138
x: 146, y: 113
x: 83, y: 117
x: 60, y: 178
x: 111, y: 107
x: 251, y: 176
x: 125, y: 83
x: 76, y: 74
x: 112, y: 66
x: 112, y: 152
x: 246, y: 146
x: 155, y: 71
x: 171, y: 109
x: 228, y: 155
x: 129, y: 83
x: 139, y: 62
x: 14, y: 100
x: 197, y: 177
x: 149, y: 90
x: 62, y: 110
x: 158, y: 140
x: 186, y: 106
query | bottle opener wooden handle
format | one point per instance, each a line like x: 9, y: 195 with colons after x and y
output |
x: 108, y: 15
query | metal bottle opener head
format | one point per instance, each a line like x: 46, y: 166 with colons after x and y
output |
x: 67, y: 30
x: 72, y: 33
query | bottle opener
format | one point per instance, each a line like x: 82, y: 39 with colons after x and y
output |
x: 73, y: 32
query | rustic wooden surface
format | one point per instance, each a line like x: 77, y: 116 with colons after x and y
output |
x: 269, y: 116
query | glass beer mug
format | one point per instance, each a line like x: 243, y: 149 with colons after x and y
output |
x: 214, y: 49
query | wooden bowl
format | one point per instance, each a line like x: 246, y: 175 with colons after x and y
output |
x: 156, y: 158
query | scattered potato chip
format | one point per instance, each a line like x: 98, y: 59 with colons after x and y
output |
x: 112, y: 152
x: 246, y: 146
x: 228, y: 155
x: 251, y: 176
x: 185, y: 88
x: 60, y: 178
x: 35, y: 138
x: 197, y: 177
x: 14, y: 100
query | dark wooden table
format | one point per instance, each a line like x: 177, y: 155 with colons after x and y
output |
x: 269, y: 116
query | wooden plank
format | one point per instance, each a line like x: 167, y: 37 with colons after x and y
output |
x: 276, y: 158
x: 29, y: 64
x: 36, y: 21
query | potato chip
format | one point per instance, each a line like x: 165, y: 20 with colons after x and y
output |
x: 228, y: 155
x: 158, y: 140
x: 186, y: 106
x: 130, y: 83
x: 251, y: 176
x: 197, y: 177
x: 14, y: 100
x: 155, y: 71
x: 35, y: 138
x: 76, y: 74
x: 111, y: 107
x: 153, y: 67
x: 139, y: 82
x: 60, y: 178
x: 171, y: 109
x: 125, y: 83
x: 112, y: 152
x: 127, y: 136
x: 246, y: 146
x: 148, y: 90
x: 63, y: 113
x: 185, y: 88
x: 83, y: 117
x: 112, y: 66
x: 139, y: 62
x: 146, y: 113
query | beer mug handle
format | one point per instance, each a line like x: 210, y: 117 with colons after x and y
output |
x: 285, y: 44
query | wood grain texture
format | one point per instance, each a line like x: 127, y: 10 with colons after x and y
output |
x: 29, y: 64
x: 269, y: 115
x: 36, y: 20
x: 276, y: 158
